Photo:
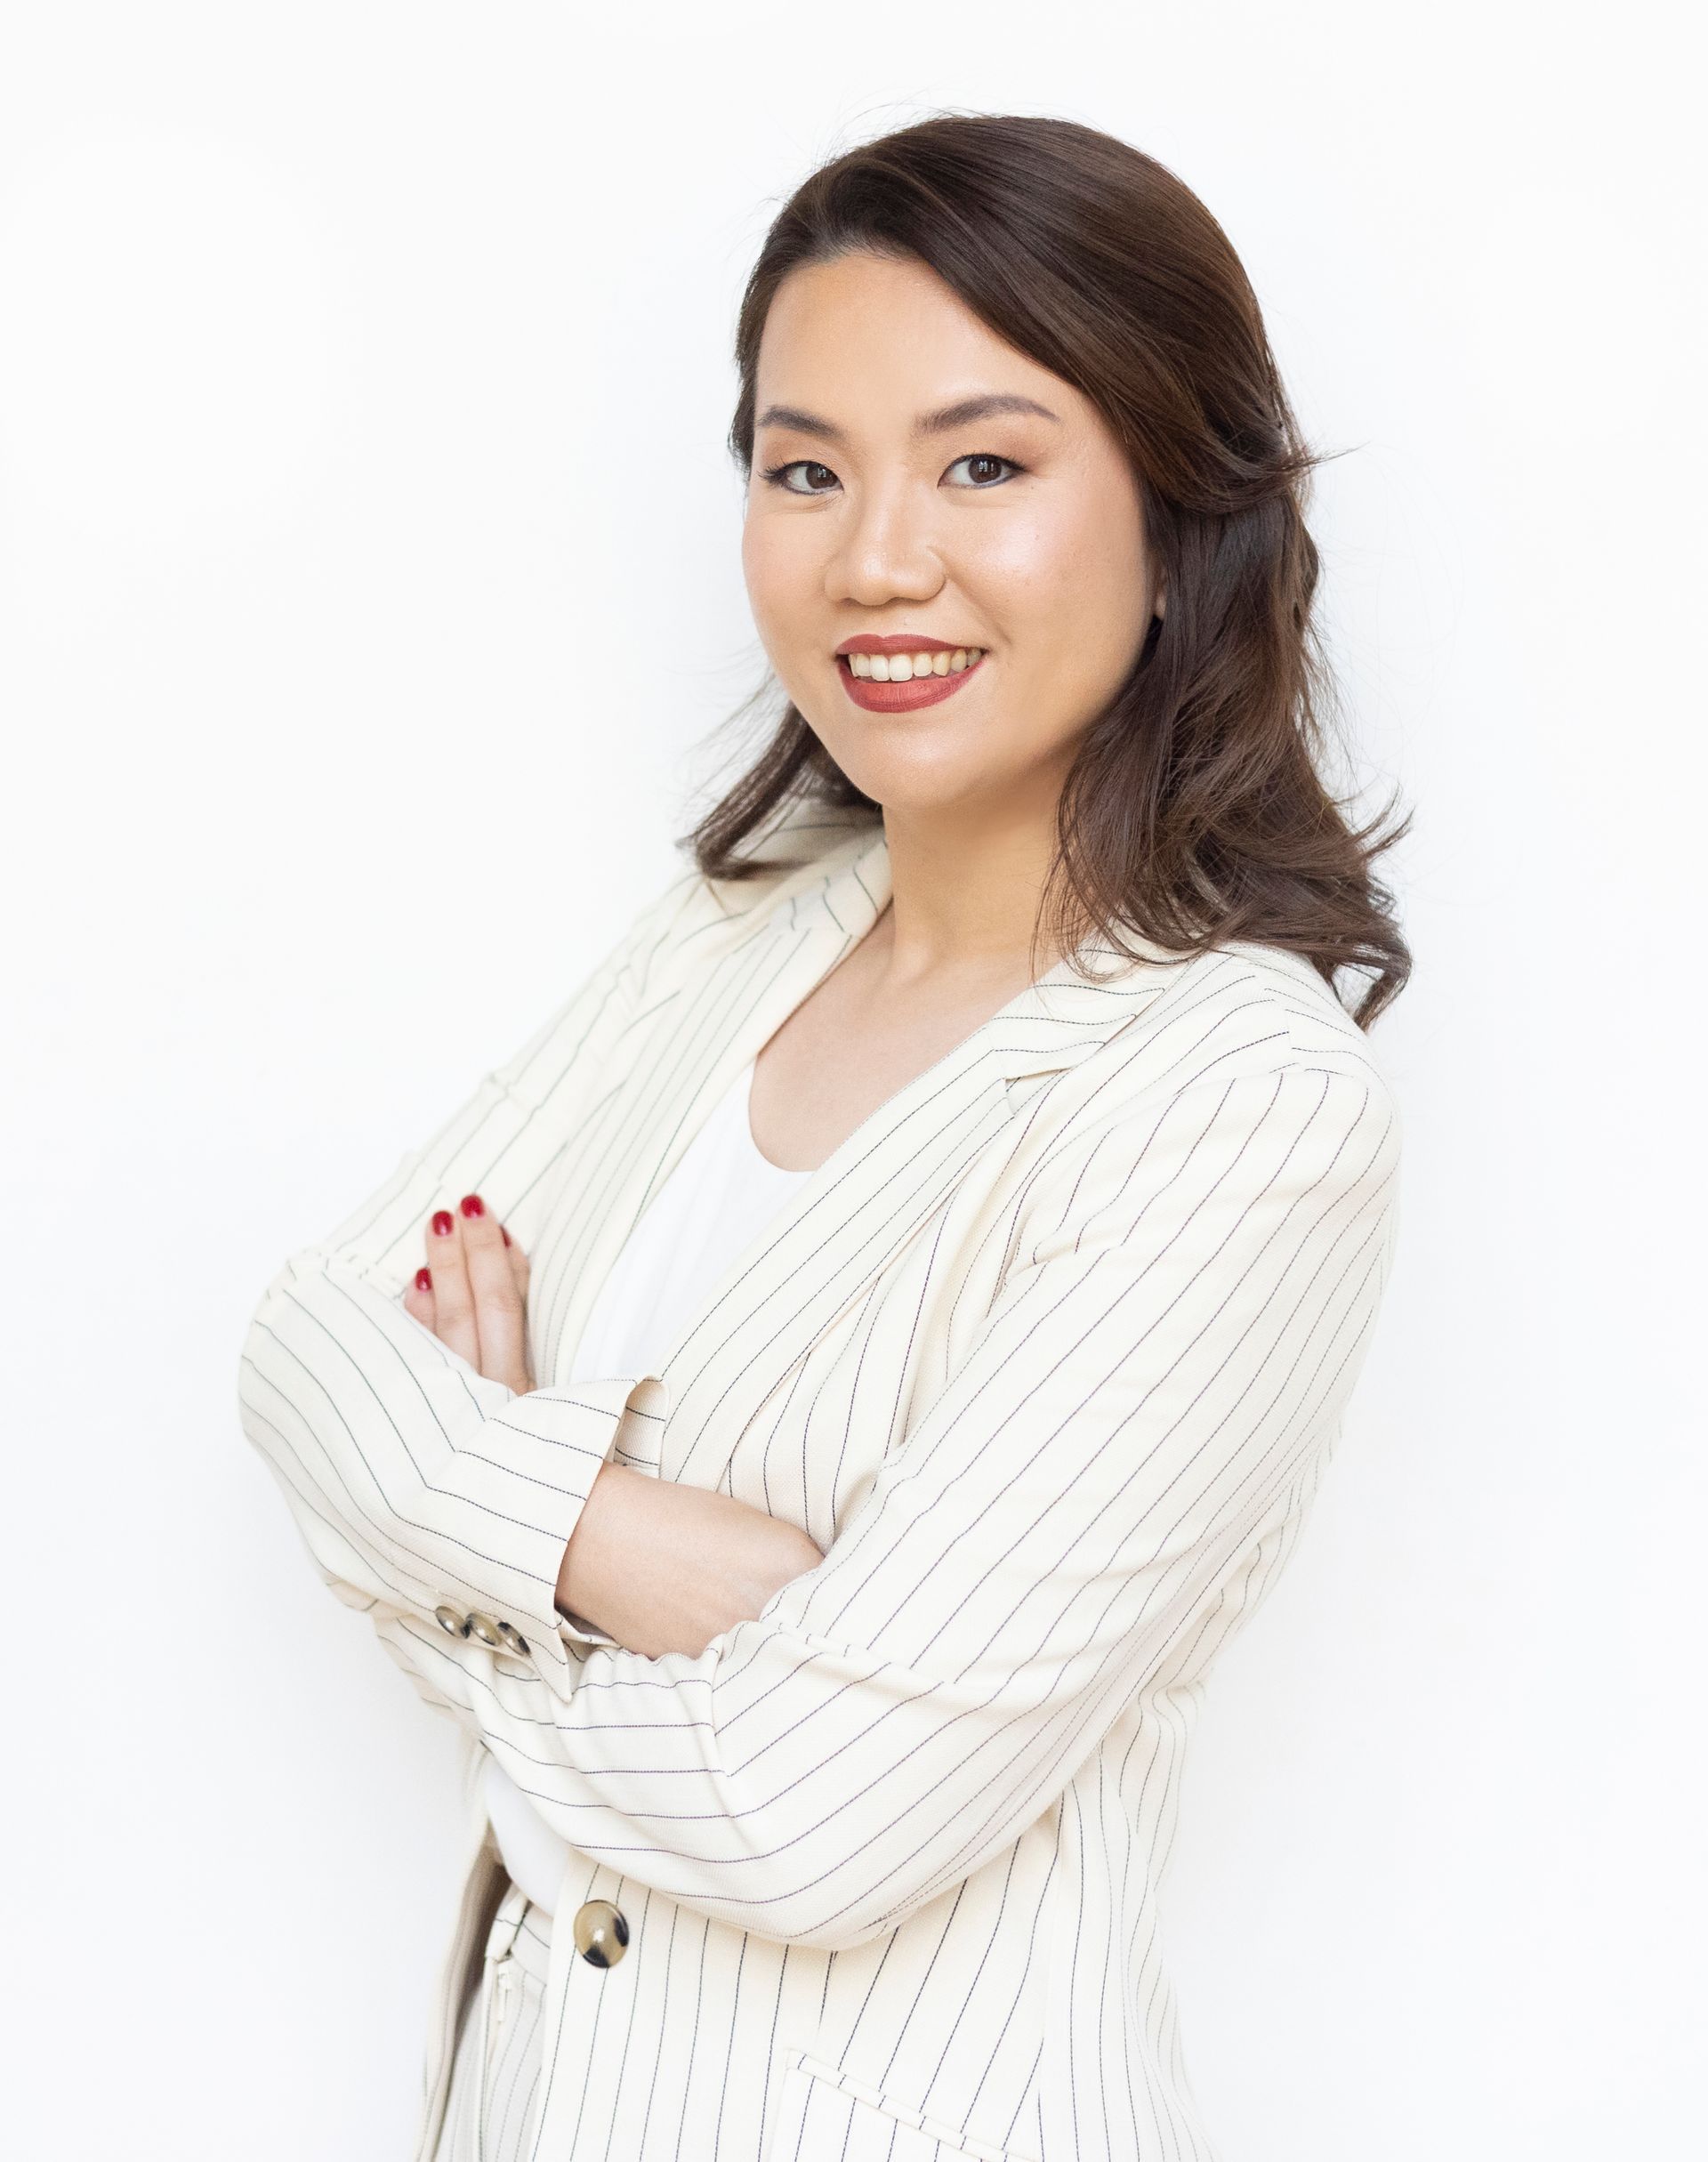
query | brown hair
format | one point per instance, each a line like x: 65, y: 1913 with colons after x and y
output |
x: 1195, y: 809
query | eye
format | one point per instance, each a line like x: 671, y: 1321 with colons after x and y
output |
x: 987, y: 458
x: 985, y: 480
x: 774, y: 474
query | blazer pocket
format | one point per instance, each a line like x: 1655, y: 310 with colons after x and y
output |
x: 822, y: 2111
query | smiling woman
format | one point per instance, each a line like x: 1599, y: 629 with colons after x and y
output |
x: 937, y: 1354
x: 1002, y: 520
x: 1008, y: 388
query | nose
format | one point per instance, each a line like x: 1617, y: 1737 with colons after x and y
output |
x: 887, y: 548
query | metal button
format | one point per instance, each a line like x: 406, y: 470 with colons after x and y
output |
x: 452, y: 1623
x: 601, y: 1932
x: 514, y: 1638
x: 484, y: 1626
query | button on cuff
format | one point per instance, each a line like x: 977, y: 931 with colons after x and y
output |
x: 506, y: 1504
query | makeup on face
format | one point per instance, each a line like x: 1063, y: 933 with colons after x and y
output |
x: 899, y: 672
x: 921, y: 491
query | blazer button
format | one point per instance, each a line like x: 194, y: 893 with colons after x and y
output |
x: 484, y: 1626
x: 514, y: 1638
x: 601, y: 1933
x: 452, y: 1623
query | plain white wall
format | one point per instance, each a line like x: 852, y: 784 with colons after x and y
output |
x: 365, y: 515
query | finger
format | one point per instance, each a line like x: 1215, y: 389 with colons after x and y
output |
x: 418, y: 1300
x: 521, y: 1268
x: 456, y: 1322
x: 501, y: 1318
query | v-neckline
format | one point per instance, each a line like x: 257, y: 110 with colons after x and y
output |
x: 744, y: 1085
x: 800, y: 939
x: 811, y: 933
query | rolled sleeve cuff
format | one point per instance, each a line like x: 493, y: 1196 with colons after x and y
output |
x: 461, y: 1493
x: 506, y: 1502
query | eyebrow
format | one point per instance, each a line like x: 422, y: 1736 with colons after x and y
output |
x: 985, y: 407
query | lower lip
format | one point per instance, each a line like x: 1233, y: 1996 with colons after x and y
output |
x: 903, y: 697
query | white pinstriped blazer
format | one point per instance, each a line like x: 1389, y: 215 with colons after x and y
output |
x: 1049, y: 1357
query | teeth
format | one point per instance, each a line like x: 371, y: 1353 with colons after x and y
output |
x: 901, y: 668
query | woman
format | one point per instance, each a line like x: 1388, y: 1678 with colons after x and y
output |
x: 813, y: 1417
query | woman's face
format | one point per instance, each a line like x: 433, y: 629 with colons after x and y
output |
x: 874, y: 509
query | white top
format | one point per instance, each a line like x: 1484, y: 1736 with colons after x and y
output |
x: 719, y: 1193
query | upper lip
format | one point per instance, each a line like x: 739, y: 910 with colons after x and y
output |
x: 901, y: 642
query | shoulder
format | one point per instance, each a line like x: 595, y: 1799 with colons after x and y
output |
x: 692, y: 919
x: 1241, y: 1037
x: 1241, y: 1008
x: 1292, y: 1018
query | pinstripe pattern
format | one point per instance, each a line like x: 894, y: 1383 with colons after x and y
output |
x: 1050, y: 1357
x: 495, y: 2084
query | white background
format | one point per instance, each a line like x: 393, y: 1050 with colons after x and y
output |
x: 365, y: 520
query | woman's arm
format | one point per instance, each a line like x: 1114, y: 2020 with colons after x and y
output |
x: 666, y: 1568
x: 660, y: 1568
x: 415, y: 1479
x: 1092, y: 1503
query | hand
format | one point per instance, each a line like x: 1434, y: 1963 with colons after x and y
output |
x: 658, y: 1566
x: 475, y: 1294
x: 661, y: 1567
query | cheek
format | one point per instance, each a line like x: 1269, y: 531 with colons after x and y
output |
x: 775, y: 566
x: 1061, y: 582
x: 752, y: 558
x: 1019, y: 563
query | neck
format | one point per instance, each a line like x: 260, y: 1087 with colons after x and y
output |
x: 965, y: 896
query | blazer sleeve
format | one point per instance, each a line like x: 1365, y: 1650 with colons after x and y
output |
x: 414, y: 1479
x: 1096, y: 1493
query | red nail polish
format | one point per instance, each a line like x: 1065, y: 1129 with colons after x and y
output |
x: 471, y: 1205
x: 506, y: 1234
x: 443, y: 1222
x: 424, y: 1279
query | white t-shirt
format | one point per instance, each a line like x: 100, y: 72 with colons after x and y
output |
x: 719, y: 1193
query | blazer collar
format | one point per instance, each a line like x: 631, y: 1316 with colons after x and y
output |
x: 842, y: 1222
x: 845, y: 1220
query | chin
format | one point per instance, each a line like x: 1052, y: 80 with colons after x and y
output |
x: 913, y: 787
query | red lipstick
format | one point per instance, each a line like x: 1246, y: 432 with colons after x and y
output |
x: 900, y: 697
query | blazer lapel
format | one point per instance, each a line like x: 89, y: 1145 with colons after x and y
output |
x: 842, y: 1225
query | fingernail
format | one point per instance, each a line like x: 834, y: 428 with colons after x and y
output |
x: 506, y: 1235
x: 443, y: 1222
x: 424, y: 1279
x: 471, y: 1205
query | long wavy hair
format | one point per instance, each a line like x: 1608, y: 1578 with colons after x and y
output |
x: 1197, y: 809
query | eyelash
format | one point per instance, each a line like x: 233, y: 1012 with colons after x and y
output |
x: 773, y: 474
